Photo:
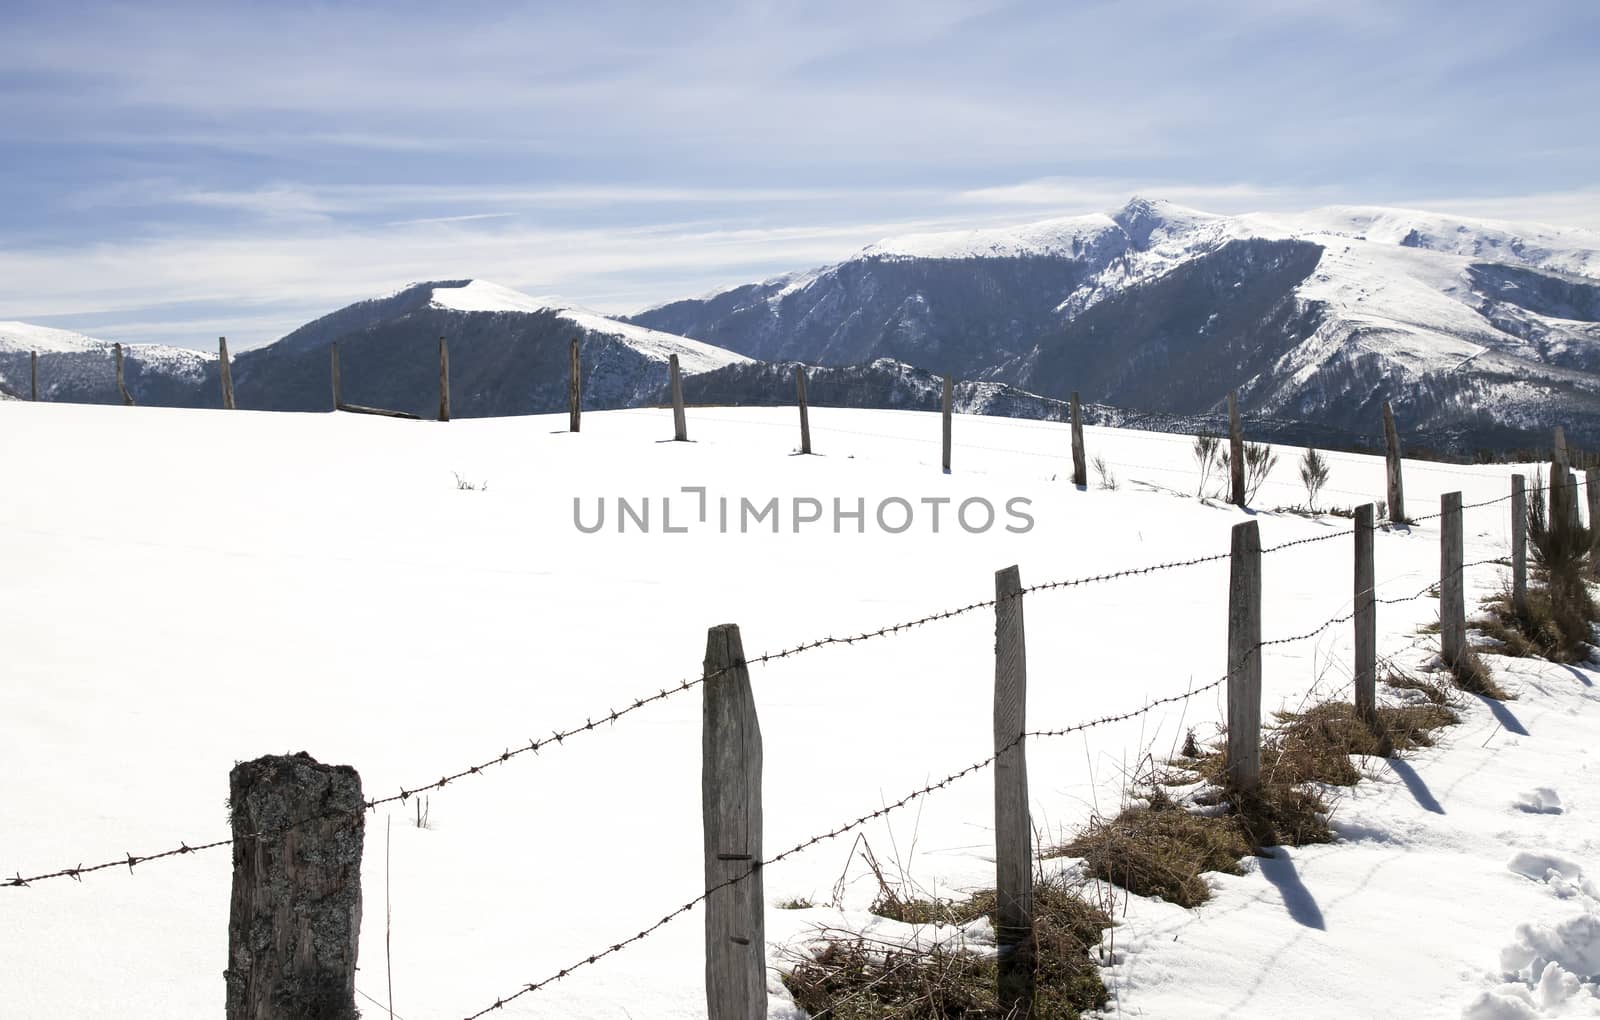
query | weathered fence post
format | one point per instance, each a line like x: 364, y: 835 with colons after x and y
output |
x: 1013, y: 830
x: 949, y: 400
x: 1519, y: 546
x: 1397, y: 493
x: 730, y: 796
x: 1558, y: 505
x: 1235, y: 448
x: 226, y: 372
x: 1244, y: 658
x: 338, y: 397
x: 1591, y: 486
x: 1452, y: 584
x: 680, y: 426
x: 1560, y: 450
x: 1366, y: 617
x: 1573, y: 516
x: 574, y: 389
x: 34, y: 365
x: 122, y: 389
x: 805, y: 408
x: 1080, y: 467
x: 294, y: 919
x: 444, y: 380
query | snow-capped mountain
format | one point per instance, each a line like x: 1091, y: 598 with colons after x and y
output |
x: 508, y: 354
x: 1468, y: 325
x: 81, y: 369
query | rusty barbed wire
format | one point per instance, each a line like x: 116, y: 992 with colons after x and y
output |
x: 611, y: 716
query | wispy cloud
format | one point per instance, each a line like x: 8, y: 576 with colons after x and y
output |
x: 182, y: 157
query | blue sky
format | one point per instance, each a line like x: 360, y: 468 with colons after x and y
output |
x: 173, y: 172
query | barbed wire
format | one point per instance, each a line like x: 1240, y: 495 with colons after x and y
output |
x: 886, y: 809
x: 612, y: 715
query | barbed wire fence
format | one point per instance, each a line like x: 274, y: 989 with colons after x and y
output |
x: 611, y: 716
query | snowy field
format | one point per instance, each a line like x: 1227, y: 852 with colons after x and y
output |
x: 186, y: 589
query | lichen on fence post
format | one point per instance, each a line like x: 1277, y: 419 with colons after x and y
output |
x: 294, y: 920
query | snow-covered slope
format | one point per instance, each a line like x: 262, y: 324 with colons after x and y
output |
x: 81, y: 368
x: 360, y: 607
x: 482, y: 296
x: 1465, y: 323
x: 508, y: 354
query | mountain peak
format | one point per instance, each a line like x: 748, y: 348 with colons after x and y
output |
x: 482, y: 296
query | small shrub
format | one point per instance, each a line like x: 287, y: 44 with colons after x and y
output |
x: 1313, y: 474
x: 1207, y: 450
x: 462, y: 484
x: 1259, y: 460
x: 1104, y: 475
x: 796, y: 903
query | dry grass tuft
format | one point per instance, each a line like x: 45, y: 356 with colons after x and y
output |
x: 854, y: 978
x: 1160, y: 850
x: 1473, y: 675
x: 1316, y: 745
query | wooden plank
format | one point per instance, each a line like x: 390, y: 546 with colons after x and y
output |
x: 1397, y: 494
x: 680, y: 426
x: 1244, y: 658
x: 805, y: 409
x: 444, y: 380
x: 574, y: 389
x: 1013, y: 829
x: 1452, y: 585
x: 359, y: 409
x: 122, y: 389
x: 1080, y: 464
x: 1366, y: 619
x: 1235, y: 448
x: 225, y: 370
x: 294, y: 918
x: 730, y: 797
x: 1519, y: 546
x: 338, y: 398
x: 948, y: 403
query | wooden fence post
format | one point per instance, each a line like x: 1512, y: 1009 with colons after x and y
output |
x: 1366, y: 616
x: 574, y: 389
x: 294, y: 919
x: 1572, y: 501
x: 1452, y: 585
x: 680, y: 426
x: 338, y: 397
x: 949, y: 400
x: 226, y: 372
x: 730, y: 796
x: 1560, y: 449
x: 1244, y: 658
x: 1519, y: 546
x: 1013, y: 830
x: 1558, y: 507
x: 1397, y: 493
x: 1080, y: 467
x: 34, y: 364
x: 1591, y: 488
x: 122, y: 389
x: 444, y: 380
x: 1235, y: 448
x: 805, y: 408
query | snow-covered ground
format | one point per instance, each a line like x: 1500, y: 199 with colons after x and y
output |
x: 186, y: 589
